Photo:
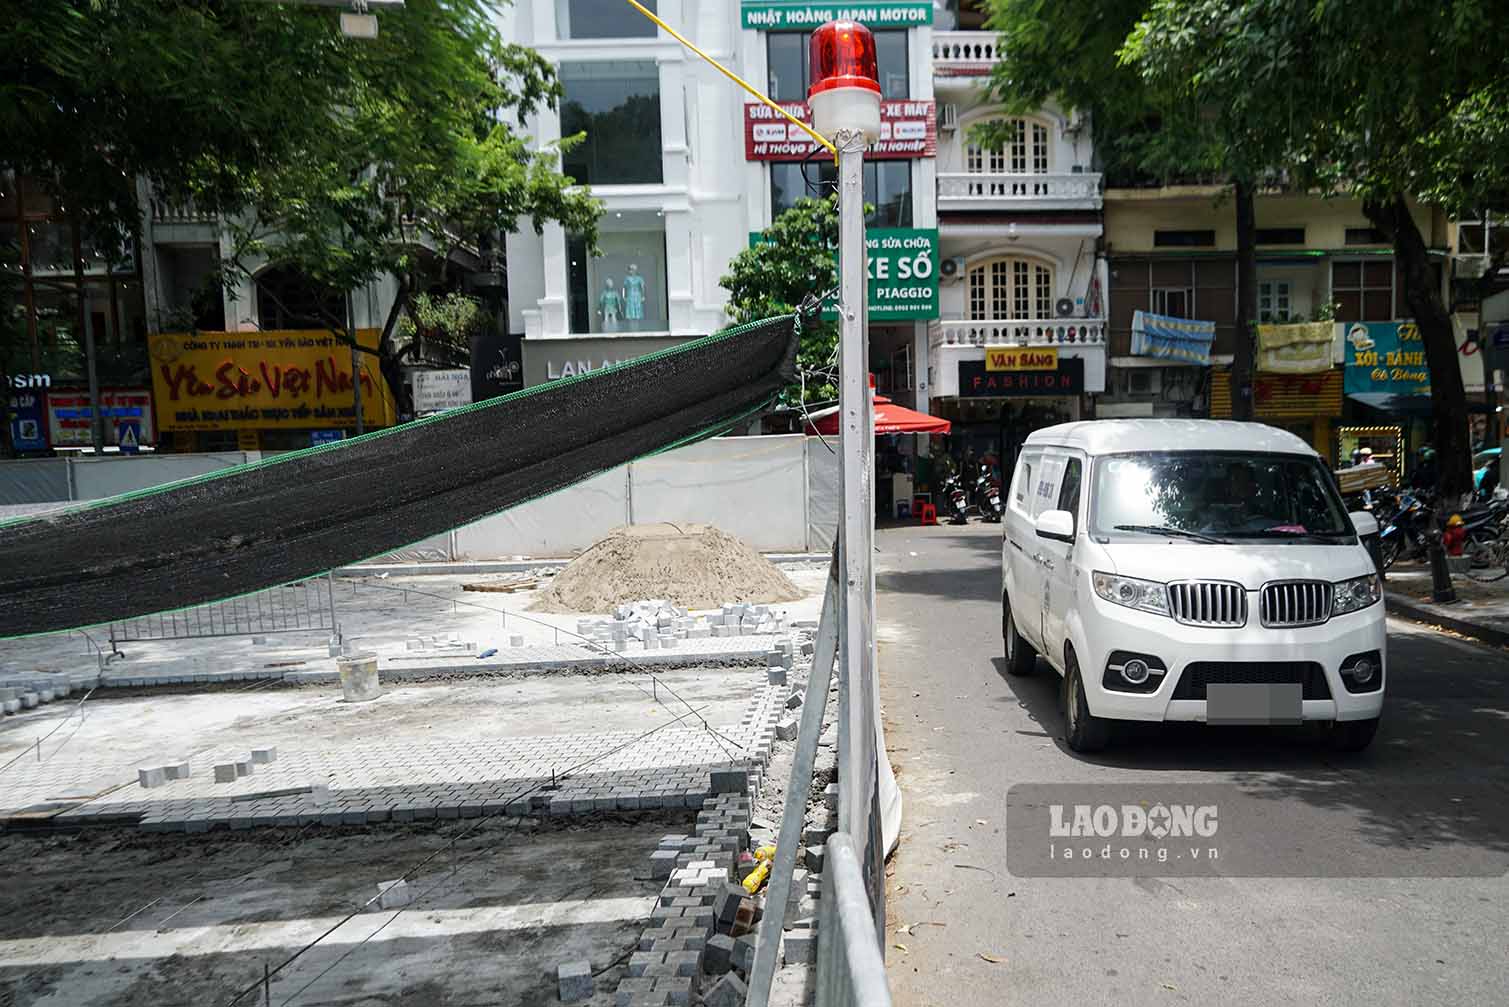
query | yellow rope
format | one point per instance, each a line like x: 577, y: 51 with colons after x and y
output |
x: 817, y: 137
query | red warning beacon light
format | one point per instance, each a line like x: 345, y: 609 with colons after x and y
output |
x: 845, y: 91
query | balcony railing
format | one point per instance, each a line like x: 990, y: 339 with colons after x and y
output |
x: 184, y: 212
x: 964, y: 53
x: 1019, y: 332
x: 985, y: 191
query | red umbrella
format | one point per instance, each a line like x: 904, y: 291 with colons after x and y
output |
x: 889, y: 419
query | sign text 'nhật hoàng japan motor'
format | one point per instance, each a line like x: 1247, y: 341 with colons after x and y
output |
x: 297, y: 379
x: 907, y: 129
x: 799, y: 15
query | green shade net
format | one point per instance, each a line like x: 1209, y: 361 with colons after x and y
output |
x: 297, y: 515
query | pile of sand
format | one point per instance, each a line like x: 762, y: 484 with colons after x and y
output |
x: 693, y: 566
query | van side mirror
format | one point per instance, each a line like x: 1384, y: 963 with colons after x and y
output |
x: 1364, y: 523
x: 1057, y: 525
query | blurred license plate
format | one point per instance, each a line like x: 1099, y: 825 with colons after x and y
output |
x: 1253, y: 704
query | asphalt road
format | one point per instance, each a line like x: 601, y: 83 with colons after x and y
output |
x: 961, y: 733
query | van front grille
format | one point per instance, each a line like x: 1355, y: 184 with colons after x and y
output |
x: 1295, y: 603
x: 1208, y: 603
x: 1196, y: 677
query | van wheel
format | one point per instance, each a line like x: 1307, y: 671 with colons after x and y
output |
x: 1020, y: 657
x: 1083, y: 731
x: 1353, y: 735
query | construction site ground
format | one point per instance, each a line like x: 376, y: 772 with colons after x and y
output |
x: 522, y: 892
x: 509, y: 902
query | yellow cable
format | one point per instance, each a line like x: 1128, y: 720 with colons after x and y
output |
x: 816, y: 136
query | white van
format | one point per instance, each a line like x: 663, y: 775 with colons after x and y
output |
x: 1191, y: 570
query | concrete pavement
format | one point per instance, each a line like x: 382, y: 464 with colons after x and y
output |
x: 961, y: 734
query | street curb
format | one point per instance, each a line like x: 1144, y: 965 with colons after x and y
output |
x: 516, y: 566
x: 1476, y: 630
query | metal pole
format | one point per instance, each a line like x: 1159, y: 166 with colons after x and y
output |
x: 356, y: 364
x: 91, y: 359
x: 762, y: 972
x: 855, y: 649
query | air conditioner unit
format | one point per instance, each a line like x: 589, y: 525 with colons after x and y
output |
x: 1064, y: 307
x: 948, y: 116
x: 952, y: 269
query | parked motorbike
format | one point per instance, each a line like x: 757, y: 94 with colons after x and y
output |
x: 958, y: 503
x: 988, y: 495
x: 1474, y: 531
x: 1404, y: 535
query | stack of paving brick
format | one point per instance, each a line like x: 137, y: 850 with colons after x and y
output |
x: 744, y: 619
x: 703, y: 923
x: 25, y: 694
x: 647, y: 625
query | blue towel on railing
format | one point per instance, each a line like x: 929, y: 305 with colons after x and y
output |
x: 1170, y: 338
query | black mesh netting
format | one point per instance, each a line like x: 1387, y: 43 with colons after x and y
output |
x: 301, y: 514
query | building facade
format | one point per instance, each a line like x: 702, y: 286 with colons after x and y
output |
x: 1021, y: 338
x: 971, y: 250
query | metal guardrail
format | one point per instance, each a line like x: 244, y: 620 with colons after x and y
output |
x: 850, y: 967
x: 305, y: 606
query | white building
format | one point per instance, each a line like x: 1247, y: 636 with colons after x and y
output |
x: 688, y: 167
x: 662, y: 153
x: 1021, y: 232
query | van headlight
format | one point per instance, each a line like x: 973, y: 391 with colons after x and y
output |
x: 1144, y: 595
x: 1357, y: 593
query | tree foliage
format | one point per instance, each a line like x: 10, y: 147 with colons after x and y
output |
x: 1383, y: 100
x: 793, y: 259
x: 349, y: 158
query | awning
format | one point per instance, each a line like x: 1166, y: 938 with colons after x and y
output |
x: 1407, y: 405
x: 889, y: 419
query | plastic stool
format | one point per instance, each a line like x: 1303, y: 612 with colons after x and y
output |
x: 903, y: 509
x: 927, y: 514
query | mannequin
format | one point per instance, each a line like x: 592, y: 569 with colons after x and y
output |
x: 634, y: 294
x: 609, y: 303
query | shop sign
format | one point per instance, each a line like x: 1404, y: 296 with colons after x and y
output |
x: 1021, y: 358
x: 553, y: 359
x: 902, y: 265
x: 437, y: 391
x: 975, y: 381
x: 497, y: 365
x: 1164, y: 337
x: 1296, y: 348
x: 903, y: 271
x: 296, y: 379
x: 68, y: 416
x: 28, y: 421
x: 1385, y: 357
x: 907, y: 129
x: 803, y: 15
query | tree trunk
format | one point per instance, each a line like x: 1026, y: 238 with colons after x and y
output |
x: 1448, y: 400
x: 1242, y: 363
x: 387, y: 356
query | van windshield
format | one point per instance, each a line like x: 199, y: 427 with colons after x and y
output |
x: 1214, y: 495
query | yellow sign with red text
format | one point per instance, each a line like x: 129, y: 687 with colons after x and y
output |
x: 1021, y: 358
x: 296, y: 379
